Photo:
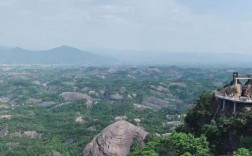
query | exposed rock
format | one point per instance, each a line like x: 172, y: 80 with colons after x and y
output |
x: 4, y: 99
x: 17, y: 134
x: 4, y: 132
x: 173, y: 117
x: 179, y: 84
x: 74, y: 96
x: 172, y: 123
x: 118, y: 118
x: 12, y: 144
x: 247, y: 89
x: 116, y: 96
x: 36, y: 82
x: 79, y: 119
x: 5, y: 116
x: 157, y: 103
x: 92, y: 92
x: 101, y: 77
x: 32, y: 134
x: 89, y: 103
x: 161, y: 89
x: 102, y: 92
x: 46, y: 104
x: 233, y: 90
x: 72, y: 84
x: 137, y: 120
x: 247, y: 109
x: 122, y: 90
x: 115, y: 140
x: 91, y: 128
x: 33, y: 101
x: 140, y: 107
x: 56, y: 153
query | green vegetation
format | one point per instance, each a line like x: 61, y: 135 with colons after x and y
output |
x: 175, y: 144
x: 154, y: 98
x: 242, y: 152
x: 224, y: 133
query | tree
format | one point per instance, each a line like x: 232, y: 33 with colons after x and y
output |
x: 188, y: 143
x: 175, y: 144
x: 242, y: 152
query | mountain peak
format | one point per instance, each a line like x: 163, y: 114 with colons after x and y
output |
x: 59, y: 55
x: 66, y: 47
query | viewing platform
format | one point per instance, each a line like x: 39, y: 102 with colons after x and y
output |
x: 236, y: 94
x: 241, y: 99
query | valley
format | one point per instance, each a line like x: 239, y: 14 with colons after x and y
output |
x: 51, y: 109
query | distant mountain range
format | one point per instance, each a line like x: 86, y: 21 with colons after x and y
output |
x: 182, y: 59
x: 65, y: 55
x: 60, y: 55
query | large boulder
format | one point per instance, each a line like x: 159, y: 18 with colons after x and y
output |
x: 247, y: 89
x: 232, y: 90
x: 74, y: 96
x: 115, y: 140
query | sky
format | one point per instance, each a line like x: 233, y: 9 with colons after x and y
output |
x: 145, y: 25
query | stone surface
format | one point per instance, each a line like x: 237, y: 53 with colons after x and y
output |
x: 115, y: 140
x: 74, y: 96
x: 4, y: 132
x: 79, y: 119
x: 32, y: 134
x: 56, y: 153
x: 116, y: 96
x: 247, y: 89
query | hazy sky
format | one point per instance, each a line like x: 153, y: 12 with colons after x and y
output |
x: 169, y: 25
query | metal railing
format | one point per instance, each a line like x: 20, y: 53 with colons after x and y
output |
x: 241, y: 99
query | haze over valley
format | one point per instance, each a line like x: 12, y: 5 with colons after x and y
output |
x: 66, y: 55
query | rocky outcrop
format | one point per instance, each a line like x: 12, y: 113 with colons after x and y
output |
x: 116, y: 96
x: 74, y: 96
x: 157, y: 103
x: 56, y: 153
x: 46, y: 104
x: 232, y: 90
x: 5, y: 116
x: 247, y: 89
x: 4, y: 132
x: 32, y: 134
x: 115, y: 140
x: 79, y: 119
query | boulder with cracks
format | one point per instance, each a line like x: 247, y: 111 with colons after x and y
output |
x: 115, y: 140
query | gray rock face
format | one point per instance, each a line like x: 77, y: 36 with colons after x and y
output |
x: 74, y: 96
x: 115, y: 140
x: 4, y: 133
x: 116, y: 96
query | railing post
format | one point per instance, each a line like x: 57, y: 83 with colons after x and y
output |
x: 223, y: 104
x: 234, y: 112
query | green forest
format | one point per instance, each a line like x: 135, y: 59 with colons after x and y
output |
x: 45, y: 110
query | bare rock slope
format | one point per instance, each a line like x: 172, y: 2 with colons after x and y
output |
x: 115, y: 140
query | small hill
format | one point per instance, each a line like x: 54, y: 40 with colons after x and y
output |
x: 58, y: 55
